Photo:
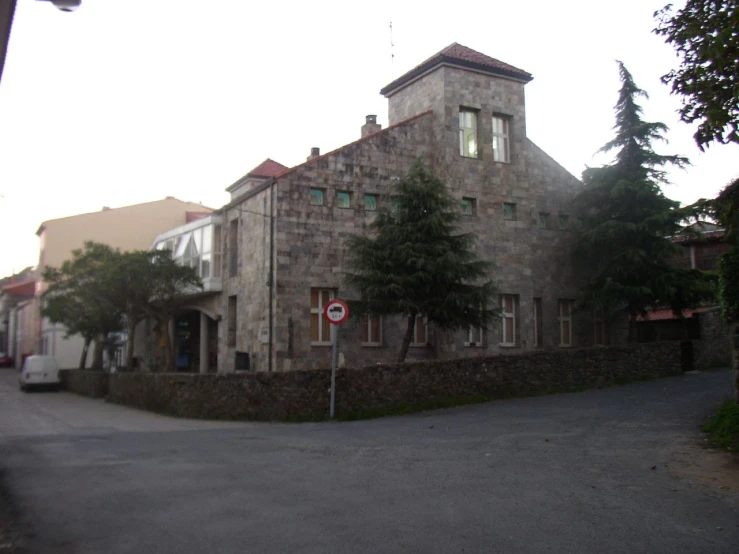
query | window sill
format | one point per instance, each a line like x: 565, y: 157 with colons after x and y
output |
x: 507, y: 345
x: 321, y: 343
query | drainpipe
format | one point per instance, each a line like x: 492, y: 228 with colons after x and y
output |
x: 271, y: 280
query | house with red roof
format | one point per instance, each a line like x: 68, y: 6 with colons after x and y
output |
x: 17, y: 337
x: 281, y: 238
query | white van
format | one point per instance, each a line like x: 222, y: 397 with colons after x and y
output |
x: 39, y: 371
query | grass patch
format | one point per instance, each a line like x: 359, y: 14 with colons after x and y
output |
x: 723, y: 427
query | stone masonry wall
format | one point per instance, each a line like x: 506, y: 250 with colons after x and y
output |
x: 87, y: 383
x: 714, y: 347
x: 250, y: 284
x: 310, y: 239
x: 304, y: 394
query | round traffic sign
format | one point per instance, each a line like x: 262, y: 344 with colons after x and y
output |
x: 336, y: 311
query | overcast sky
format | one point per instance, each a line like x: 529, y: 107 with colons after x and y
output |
x: 128, y: 101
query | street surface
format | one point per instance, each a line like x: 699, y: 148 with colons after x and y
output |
x: 619, y: 470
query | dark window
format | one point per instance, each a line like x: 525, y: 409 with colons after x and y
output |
x: 233, y: 247
x: 232, y: 305
x: 509, y: 210
x: 469, y: 206
x: 538, y: 323
x: 343, y: 199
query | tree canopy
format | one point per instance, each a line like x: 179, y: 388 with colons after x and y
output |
x: 705, y: 35
x: 628, y: 221
x: 102, y: 290
x: 415, y: 262
x: 78, y: 297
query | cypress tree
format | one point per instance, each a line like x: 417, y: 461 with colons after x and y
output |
x: 415, y: 262
x: 628, y: 221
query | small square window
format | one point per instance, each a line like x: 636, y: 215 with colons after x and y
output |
x: 370, y: 202
x: 543, y: 221
x: 563, y: 221
x: 394, y: 205
x: 316, y: 197
x: 469, y: 206
x: 509, y: 210
x: 343, y: 199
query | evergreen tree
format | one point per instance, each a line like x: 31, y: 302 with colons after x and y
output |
x: 629, y: 222
x: 416, y: 263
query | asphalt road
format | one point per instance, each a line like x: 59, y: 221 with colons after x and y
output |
x: 618, y: 470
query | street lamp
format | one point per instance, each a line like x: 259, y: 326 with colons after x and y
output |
x: 65, y: 5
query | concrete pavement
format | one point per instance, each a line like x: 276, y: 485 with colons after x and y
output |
x: 615, y: 470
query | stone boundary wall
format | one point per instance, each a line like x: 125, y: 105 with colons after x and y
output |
x: 87, y: 383
x: 304, y: 394
x: 714, y: 347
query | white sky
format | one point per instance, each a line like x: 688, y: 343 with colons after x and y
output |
x: 128, y: 101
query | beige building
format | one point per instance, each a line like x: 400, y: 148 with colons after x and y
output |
x: 127, y: 228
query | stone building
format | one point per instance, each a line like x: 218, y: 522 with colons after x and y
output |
x: 282, y: 235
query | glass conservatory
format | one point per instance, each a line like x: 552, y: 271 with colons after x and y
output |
x: 197, y: 244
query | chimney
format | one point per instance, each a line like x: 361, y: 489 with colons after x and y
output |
x: 314, y: 153
x: 105, y: 208
x: 370, y: 126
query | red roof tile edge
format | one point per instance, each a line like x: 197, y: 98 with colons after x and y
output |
x: 268, y: 168
x: 362, y: 139
x: 21, y: 285
x: 450, y: 56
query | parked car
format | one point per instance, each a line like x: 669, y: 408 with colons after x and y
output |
x: 39, y: 371
x: 5, y: 360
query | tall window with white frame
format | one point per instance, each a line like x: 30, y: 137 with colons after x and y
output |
x: 501, y: 142
x: 217, y: 249
x: 467, y: 133
x: 508, y: 319
x: 565, y: 323
x: 320, y: 328
x: 371, y: 330
x: 475, y: 336
x: 420, y: 331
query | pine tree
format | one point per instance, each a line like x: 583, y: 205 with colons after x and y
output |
x: 629, y: 221
x: 416, y: 263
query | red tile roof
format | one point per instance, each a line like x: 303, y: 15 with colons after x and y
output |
x: 194, y: 216
x: 364, y: 138
x: 22, y: 288
x: 268, y: 168
x: 667, y: 313
x: 466, y: 57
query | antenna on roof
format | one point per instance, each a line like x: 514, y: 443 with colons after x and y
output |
x: 392, y: 46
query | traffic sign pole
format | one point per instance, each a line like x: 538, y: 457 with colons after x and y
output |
x: 334, y: 363
x: 335, y: 311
